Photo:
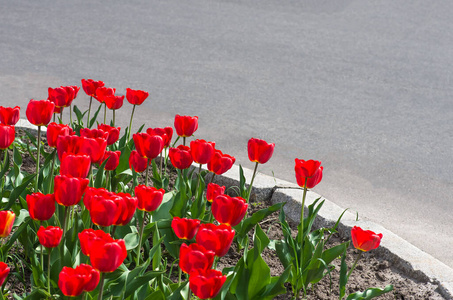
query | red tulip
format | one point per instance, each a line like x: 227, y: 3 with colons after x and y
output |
x: 185, y: 228
x: 4, y: 271
x: 220, y: 163
x: 75, y: 165
x: 229, y: 210
x: 215, y: 238
x: 149, y: 198
x: 69, y: 190
x: 108, y: 255
x: 104, y: 211
x: 202, y: 151
x: 103, y: 92
x: 206, y: 284
x: 90, y: 86
x: 137, y: 162
x: 92, y: 276
x: 94, y: 133
x: 148, y: 146
x: 365, y: 240
x: 61, y: 96
x: 50, y: 236
x: 259, y: 150
x: 58, y: 110
x: 128, y: 211
x: 310, y: 171
x: 7, y: 218
x: 136, y: 97
x: 181, y: 157
x: 7, y: 136
x: 114, y: 133
x: 165, y: 133
x: 72, y: 282
x: 95, y: 148
x: 55, y: 130
x: 90, y: 192
x: 213, y: 190
x: 195, y: 257
x: 69, y: 144
x: 114, y: 102
x: 113, y: 160
x: 185, y: 125
x: 87, y: 238
x: 9, y: 115
x: 41, y: 207
x: 39, y: 112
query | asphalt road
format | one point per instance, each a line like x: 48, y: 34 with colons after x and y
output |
x: 363, y: 86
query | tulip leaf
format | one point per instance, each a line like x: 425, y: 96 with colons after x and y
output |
x: 343, y: 275
x: 100, y: 175
x: 95, y: 116
x: 4, y: 170
x: 16, y: 192
x: 124, y: 160
x: 131, y: 240
x: 248, y: 224
x: 163, y: 211
x: 370, y: 293
x: 78, y: 113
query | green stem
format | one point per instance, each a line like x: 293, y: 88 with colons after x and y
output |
x: 147, y: 171
x: 301, y: 233
x: 354, y: 265
x: 161, y: 159
x: 91, y: 176
x: 130, y: 124
x: 105, y: 112
x: 37, y: 159
x: 184, y: 140
x: 251, y: 182
x: 65, y: 220
x: 101, y: 287
x: 50, y: 187
x: 4, y: 158
x: 61, y: 116
x: 140, y: 239
x: 179, y: 277
x: 89, y: 111
x: 114, y: 117
x: 48, y: 269
x: 70, y: 115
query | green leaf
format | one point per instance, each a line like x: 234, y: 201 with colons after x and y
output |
x: 19, y: 190
x: 370, y: 293
x: 131, y: 240
x: 163, y: 212
x: 343, y: 275
x: 100, y: 175
x: 124, y: 160
x: 93, y: 119
x: 242, y: 188
x: 250, y: 222
x: 78, y: 113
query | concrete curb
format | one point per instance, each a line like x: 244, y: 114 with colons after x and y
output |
x: 410, y: 260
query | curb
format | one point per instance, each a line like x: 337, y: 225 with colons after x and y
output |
x: 403, y: 255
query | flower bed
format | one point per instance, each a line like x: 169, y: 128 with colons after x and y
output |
x: 98, y: 217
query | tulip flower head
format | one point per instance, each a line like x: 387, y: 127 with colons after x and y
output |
x: 229, y: 210
x: 7, y: 218
x: 365, y: 240
x: 108, y: 255
x: 213, y: 190
x: 55, y: 130
x: 185, y: 228
x: 202, y: 151
x: 259, y: 150
x: 88, y: 236
x: 69, y: 190
x: 73, y: 282
x: 113, y: 160
x: 39, y: 112
x: 75, y: 165
x: 149, y: 198
x: 165, y: 133
x: 9, y: 115
x: 220, y: 163
x: 90, y: 86
x: 7, y: 136
x: 206, y: 284
x: 50, y: 236
x: 185, y: 125
x: 215, y: 238
x: 136, y: 97
x: 308, y: 172
x: 41, y: 207
x: 113, y: 133
x: 137, y: 162
x: 148, y: 146
x: 4, y: 271
x: 195, y: 257
x: 181, y: 157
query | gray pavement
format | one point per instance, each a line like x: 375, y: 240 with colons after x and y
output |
x: 365, y: 87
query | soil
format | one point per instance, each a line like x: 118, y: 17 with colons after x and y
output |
x: 371, y: 270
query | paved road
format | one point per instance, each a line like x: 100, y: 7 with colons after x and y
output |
x: 365, y: 87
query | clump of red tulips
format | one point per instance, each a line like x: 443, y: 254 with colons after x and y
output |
x: 100, y: 211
